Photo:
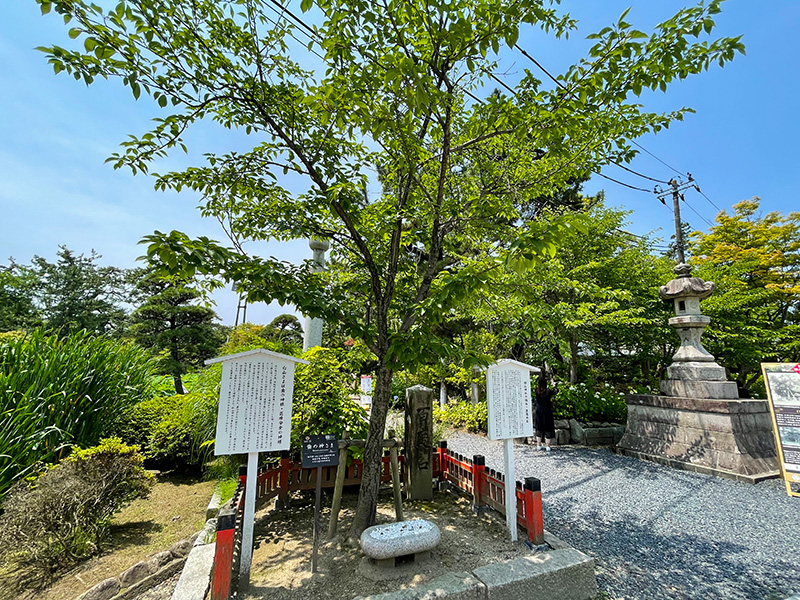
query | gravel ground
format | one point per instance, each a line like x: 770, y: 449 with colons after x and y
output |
x: 162, y: 591
x: 656, y: 532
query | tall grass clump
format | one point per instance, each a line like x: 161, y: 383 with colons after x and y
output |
x: 56, y: 393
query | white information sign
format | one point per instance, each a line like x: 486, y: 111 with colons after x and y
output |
x: 366, y: 390
x: 255, y: 402
x: 508, y: 399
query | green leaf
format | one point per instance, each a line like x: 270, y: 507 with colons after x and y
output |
x: 74, y: 33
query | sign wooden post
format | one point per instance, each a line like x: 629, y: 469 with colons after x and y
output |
x: 783, y: 392
x: 510, y: 415
x: 254, y: 415
x: 319, y: 451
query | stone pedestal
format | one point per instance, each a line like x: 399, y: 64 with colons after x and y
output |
x: 724, y: 437
x: 419, y: 443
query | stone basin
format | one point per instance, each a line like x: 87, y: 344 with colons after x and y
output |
x: 391, y: 540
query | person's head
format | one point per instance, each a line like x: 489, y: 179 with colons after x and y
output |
x: 541, y: 383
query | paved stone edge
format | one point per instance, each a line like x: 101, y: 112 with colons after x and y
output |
x: 512, y: 579
x: 702, y: 469
x: 112, y: 589
x: 145, y: 584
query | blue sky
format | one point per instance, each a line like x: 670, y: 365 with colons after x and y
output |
x: 55, y: 134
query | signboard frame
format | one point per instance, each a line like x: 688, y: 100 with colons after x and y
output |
x: 251, y: 419
x: 525, y: 407
x: 785, y: 415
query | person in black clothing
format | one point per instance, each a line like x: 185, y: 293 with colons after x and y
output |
x: 545, y: 428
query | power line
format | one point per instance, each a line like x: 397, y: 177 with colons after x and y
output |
x: 627, y: 185
x: 563, y: 87
x: 621, y: 166
x: 710, y: 224
x: 697, y: 187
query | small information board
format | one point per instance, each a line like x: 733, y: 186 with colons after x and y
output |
x: 782, y: 381
x: 508, y: 399
x: 320, y: 451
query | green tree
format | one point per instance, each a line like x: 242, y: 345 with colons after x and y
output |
x: 75, y: 293
x: 17, y: 292
x: 597, y: 298
x: 754, y: 260
x: 286, y: 329
x: 169, y: 321
x: 394, y: 95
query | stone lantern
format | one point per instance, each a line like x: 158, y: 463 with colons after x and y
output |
x: 313, y: 327
x: 694, y: 372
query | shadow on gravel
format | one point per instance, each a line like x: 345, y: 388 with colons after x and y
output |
x: 633, y: 561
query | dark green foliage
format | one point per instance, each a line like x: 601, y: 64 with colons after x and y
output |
x: 57, y: 392
x: 63, y: 516
x: 321, y: 401
x: 74, y: 293
x: 17, y: 292
x: 174, y: 440
x: 137, y: 424
x: 171, y: 323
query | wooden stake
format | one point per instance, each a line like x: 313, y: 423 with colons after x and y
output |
x: 316, y: 520
x: 398, y: 498
x: 336, y: 505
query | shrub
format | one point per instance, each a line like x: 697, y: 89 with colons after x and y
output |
x: 321, y: 400
x: 462, y: 415
x: 586, y: 403
x: 58, y: 392
x: 53, y: 521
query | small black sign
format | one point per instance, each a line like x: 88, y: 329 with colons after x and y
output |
x: 320, y: 451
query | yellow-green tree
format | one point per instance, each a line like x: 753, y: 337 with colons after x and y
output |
x: 755, y: 261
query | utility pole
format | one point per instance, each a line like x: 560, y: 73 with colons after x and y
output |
x: 675, y: 189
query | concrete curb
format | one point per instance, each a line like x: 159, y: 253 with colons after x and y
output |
x: 560, y: 574
x: 214, y: 505
x: 196, y: 576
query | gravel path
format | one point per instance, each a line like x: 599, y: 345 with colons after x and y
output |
x: 656, y: 532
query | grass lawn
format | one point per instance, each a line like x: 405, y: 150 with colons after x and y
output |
x: 174, y: 510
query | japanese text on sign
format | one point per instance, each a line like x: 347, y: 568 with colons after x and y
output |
x: 508, y: 401
x: 255, y: 406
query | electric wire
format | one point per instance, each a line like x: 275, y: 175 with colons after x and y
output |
x: 710, y: 224
x: 627, y: 185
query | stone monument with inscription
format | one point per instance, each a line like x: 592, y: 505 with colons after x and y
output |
x: 418, y: 443
x: 254, y: 415
x: 698, y: 422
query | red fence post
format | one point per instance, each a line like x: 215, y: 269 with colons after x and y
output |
x: 442, y: 452
x: 223, y: 555
x: 533, y: 510
x: 283, y: 484
x: 478, y: 467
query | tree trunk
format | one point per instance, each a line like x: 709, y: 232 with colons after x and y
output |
x: 179, y: 389
x: 373, y: 452
x: 573, y: 358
